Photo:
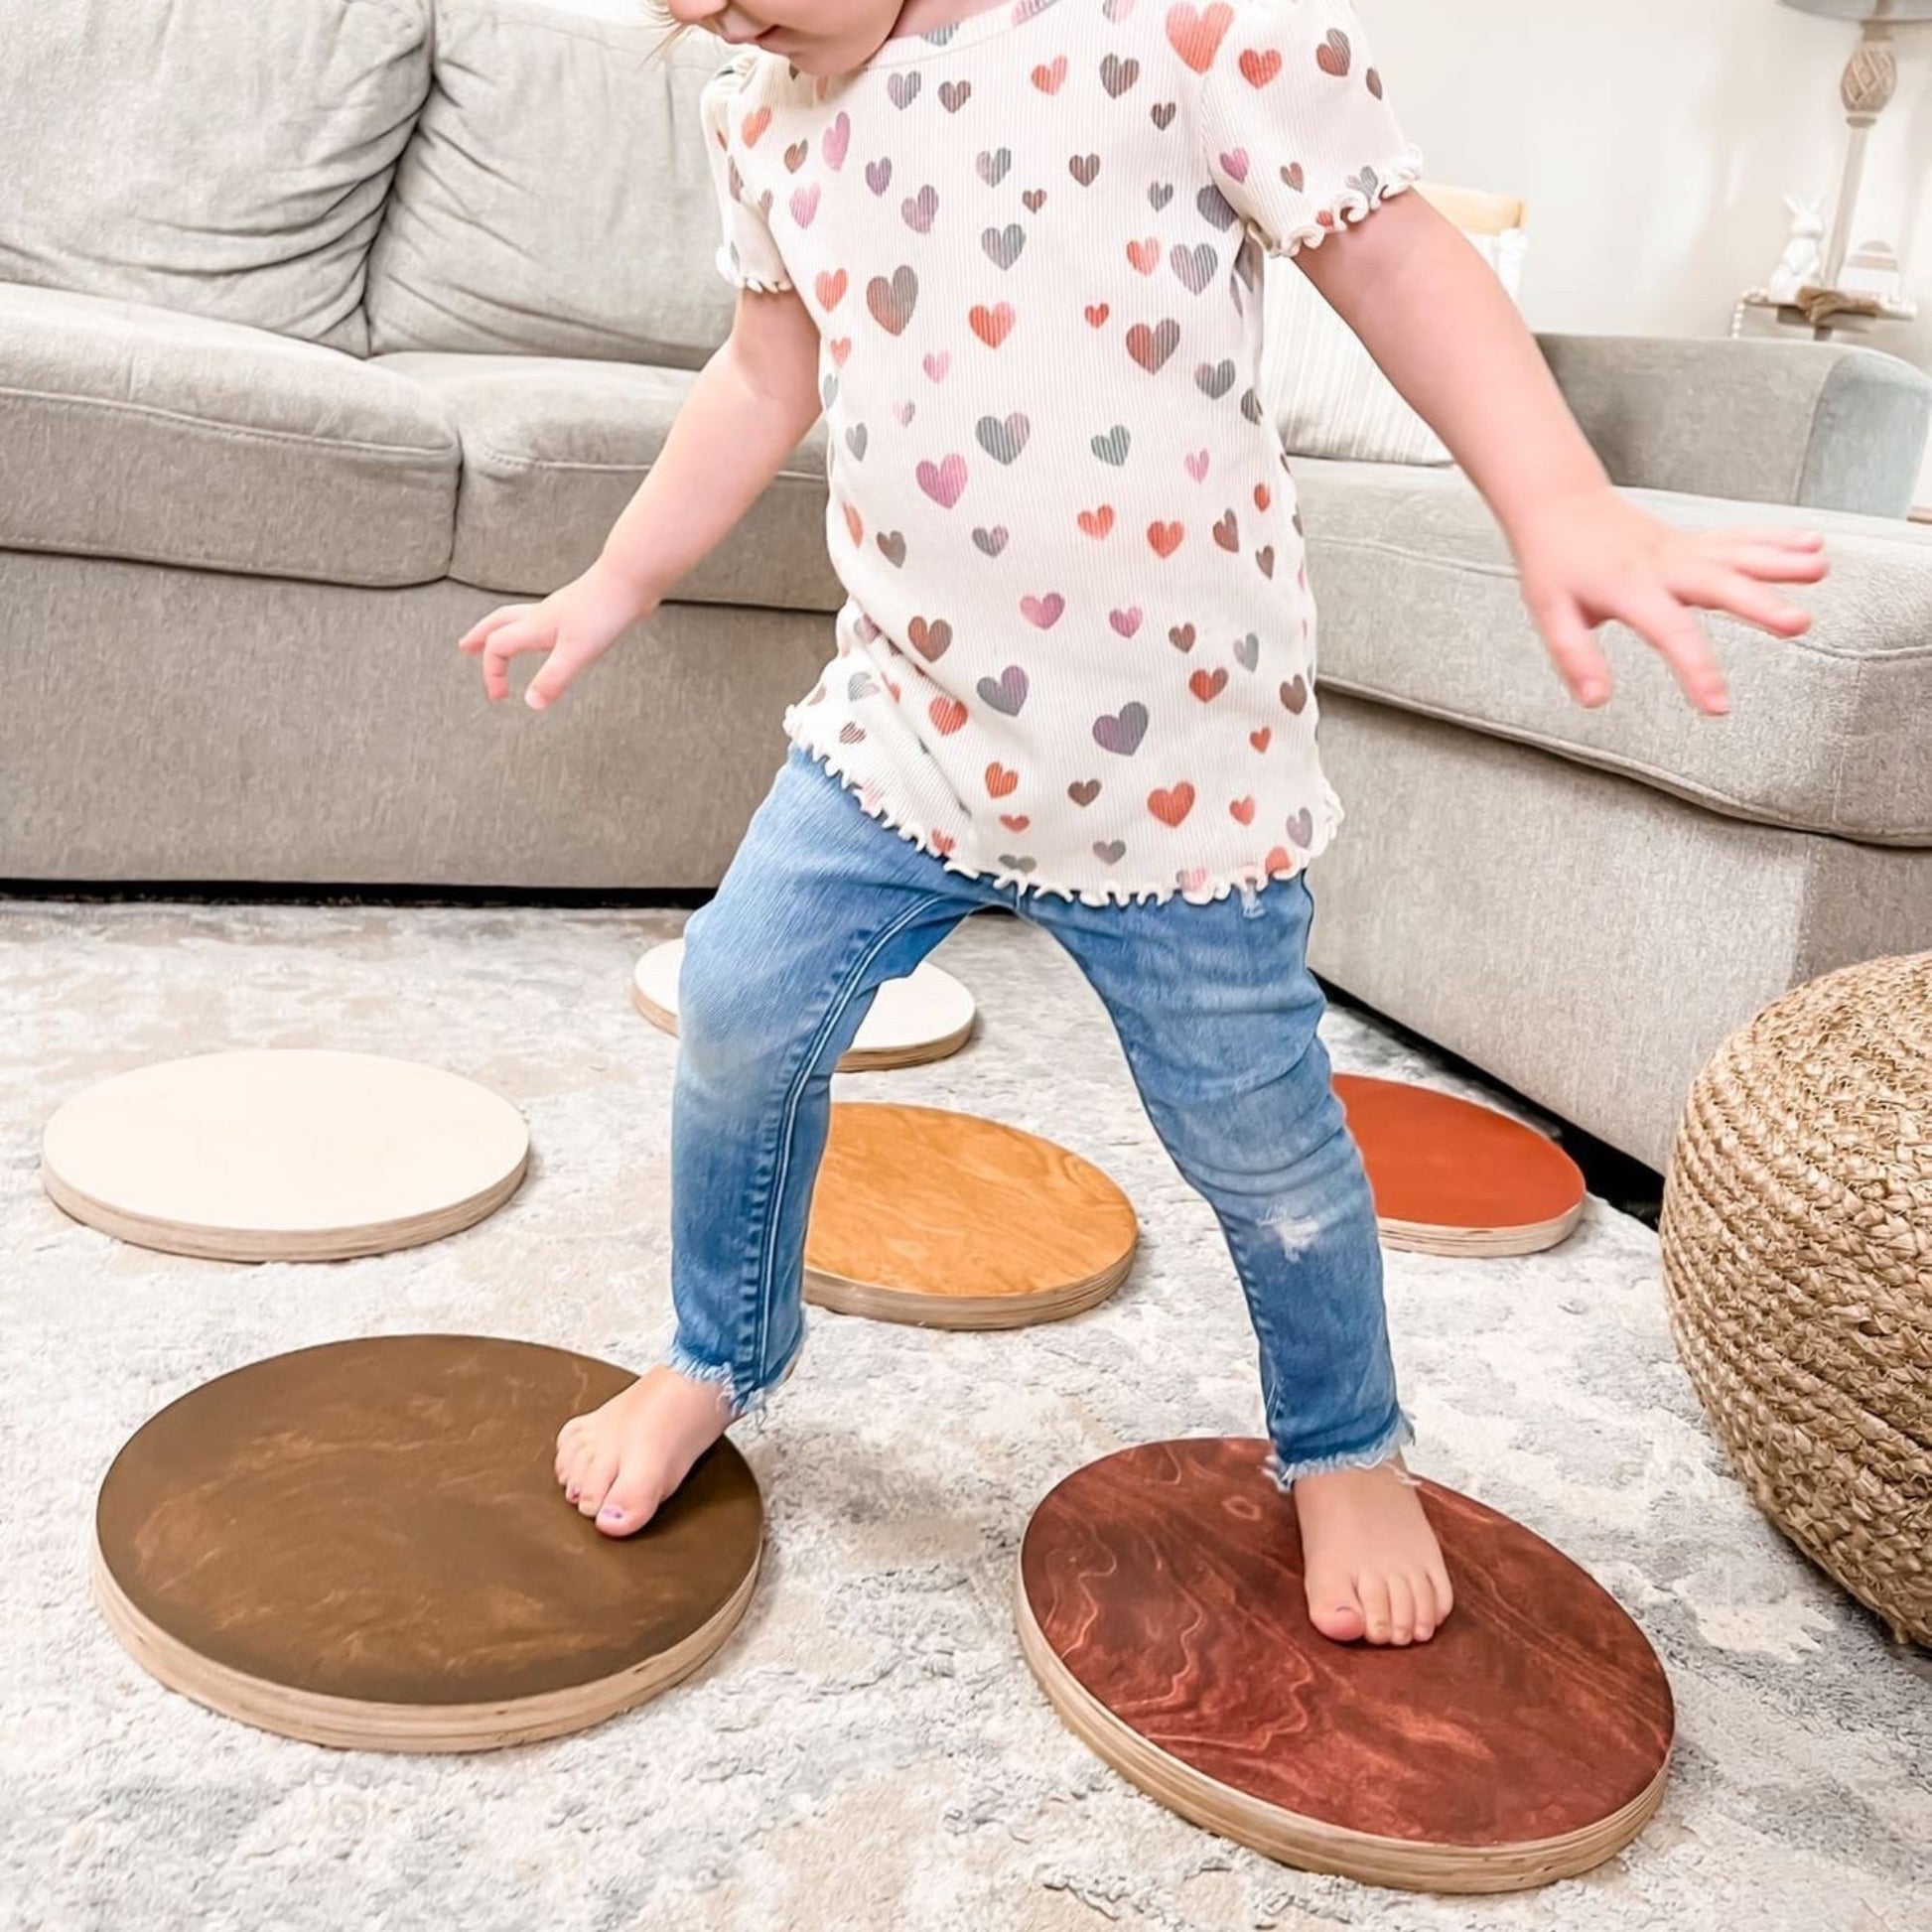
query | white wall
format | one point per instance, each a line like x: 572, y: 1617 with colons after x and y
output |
x: 1654, y: 141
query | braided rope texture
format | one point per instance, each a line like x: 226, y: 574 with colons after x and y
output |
x: 1797, y: 1249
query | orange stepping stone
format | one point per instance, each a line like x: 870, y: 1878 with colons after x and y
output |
x: 949, y: 1221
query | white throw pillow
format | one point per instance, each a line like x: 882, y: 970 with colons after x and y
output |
x: 1328, y: 396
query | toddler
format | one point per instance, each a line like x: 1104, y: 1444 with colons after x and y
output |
x: 1013, y: 253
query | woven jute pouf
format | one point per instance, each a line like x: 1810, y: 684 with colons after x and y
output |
x: 1797, y: 1246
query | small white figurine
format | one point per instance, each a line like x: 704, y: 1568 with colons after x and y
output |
x: 1803, y: 258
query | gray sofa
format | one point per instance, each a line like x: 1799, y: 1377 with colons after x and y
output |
x: 291, y: 393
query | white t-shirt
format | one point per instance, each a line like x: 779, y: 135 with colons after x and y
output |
x: 1077, y: 648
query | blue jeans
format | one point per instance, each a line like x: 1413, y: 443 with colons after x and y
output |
x: 1213, y: 1004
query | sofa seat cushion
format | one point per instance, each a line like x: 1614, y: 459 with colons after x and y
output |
x: 137, y: 432
x: 225, y: 159
x: 553, y: 449
x: 1420, y: 607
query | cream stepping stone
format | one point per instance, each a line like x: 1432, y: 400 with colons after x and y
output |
x: 927, y: 1015
x: 284, y: 1155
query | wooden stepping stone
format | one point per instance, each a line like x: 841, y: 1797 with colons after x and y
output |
x: 1160, y: 1606
x: 365, y: 1544
x: 949, y: 1221
x: 1452, y: 1177
x: 927, y: 1015
x: 283, y: 1155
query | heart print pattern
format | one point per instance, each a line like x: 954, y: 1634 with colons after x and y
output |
x: 1076, y: 650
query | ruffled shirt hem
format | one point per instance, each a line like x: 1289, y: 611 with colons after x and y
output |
x: 1110, y: 893
x: 1366, y: 190
x: 733, y: 270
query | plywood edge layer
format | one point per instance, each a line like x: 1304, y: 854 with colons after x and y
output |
x: 882, y: 1059
x: 1429, y: 1238
x: 963, y: 1311
x: 854, y: 1059
x: 349, y: 1724
x: 662, y: 1017
x: 266, y: 1244
x: 1308, y: 1842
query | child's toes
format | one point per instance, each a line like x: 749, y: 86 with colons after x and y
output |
x: 1335, y: 1610
x: 1373, y: 1593
x: 594, y: 1476
x: 1402, y: 1611
x: 1426, y: 1617
x: 631, y: 1503
x: 573, y: 1445
x: 1340, y: 1622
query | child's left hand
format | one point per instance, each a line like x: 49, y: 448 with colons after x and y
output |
x: 1587, y: 556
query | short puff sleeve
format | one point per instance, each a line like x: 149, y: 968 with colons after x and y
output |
x: 746, y: 253
x: 1295, y: 122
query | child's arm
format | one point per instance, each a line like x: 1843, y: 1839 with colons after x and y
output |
x: 747, y: 410
x: 1440, y: 324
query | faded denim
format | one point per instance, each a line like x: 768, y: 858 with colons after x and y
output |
x: 1213, y: 1004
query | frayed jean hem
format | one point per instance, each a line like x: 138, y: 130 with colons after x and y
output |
x: 1396, y: 1438
x: 743, y: 1401
x: 716, y: 1375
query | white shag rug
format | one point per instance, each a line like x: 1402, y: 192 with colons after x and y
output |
x: 870, y: 1750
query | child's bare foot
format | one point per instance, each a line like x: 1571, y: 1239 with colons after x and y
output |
x: 620, y: 1462
x: 1371, y: 1561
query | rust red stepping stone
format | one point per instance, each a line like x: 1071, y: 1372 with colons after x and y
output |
x: 1160, y: 1606
x: 1452, y: 1177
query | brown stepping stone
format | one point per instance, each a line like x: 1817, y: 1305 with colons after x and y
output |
x: 365, y: 1544
x: 1160, y: 1606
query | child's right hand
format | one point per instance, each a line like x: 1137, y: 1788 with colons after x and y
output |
x: 575, y: 625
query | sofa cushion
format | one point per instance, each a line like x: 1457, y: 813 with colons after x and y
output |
x: 1419, y: 606
x: 556, y: 199
x: 552, y: 452
x: 132, y: 431
x: 225, y: 160
x: 1834, y: 425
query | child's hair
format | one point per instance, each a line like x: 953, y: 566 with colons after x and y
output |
x: 671, y: 30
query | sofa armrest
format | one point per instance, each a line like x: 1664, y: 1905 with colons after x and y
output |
x: 1817, y: 425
